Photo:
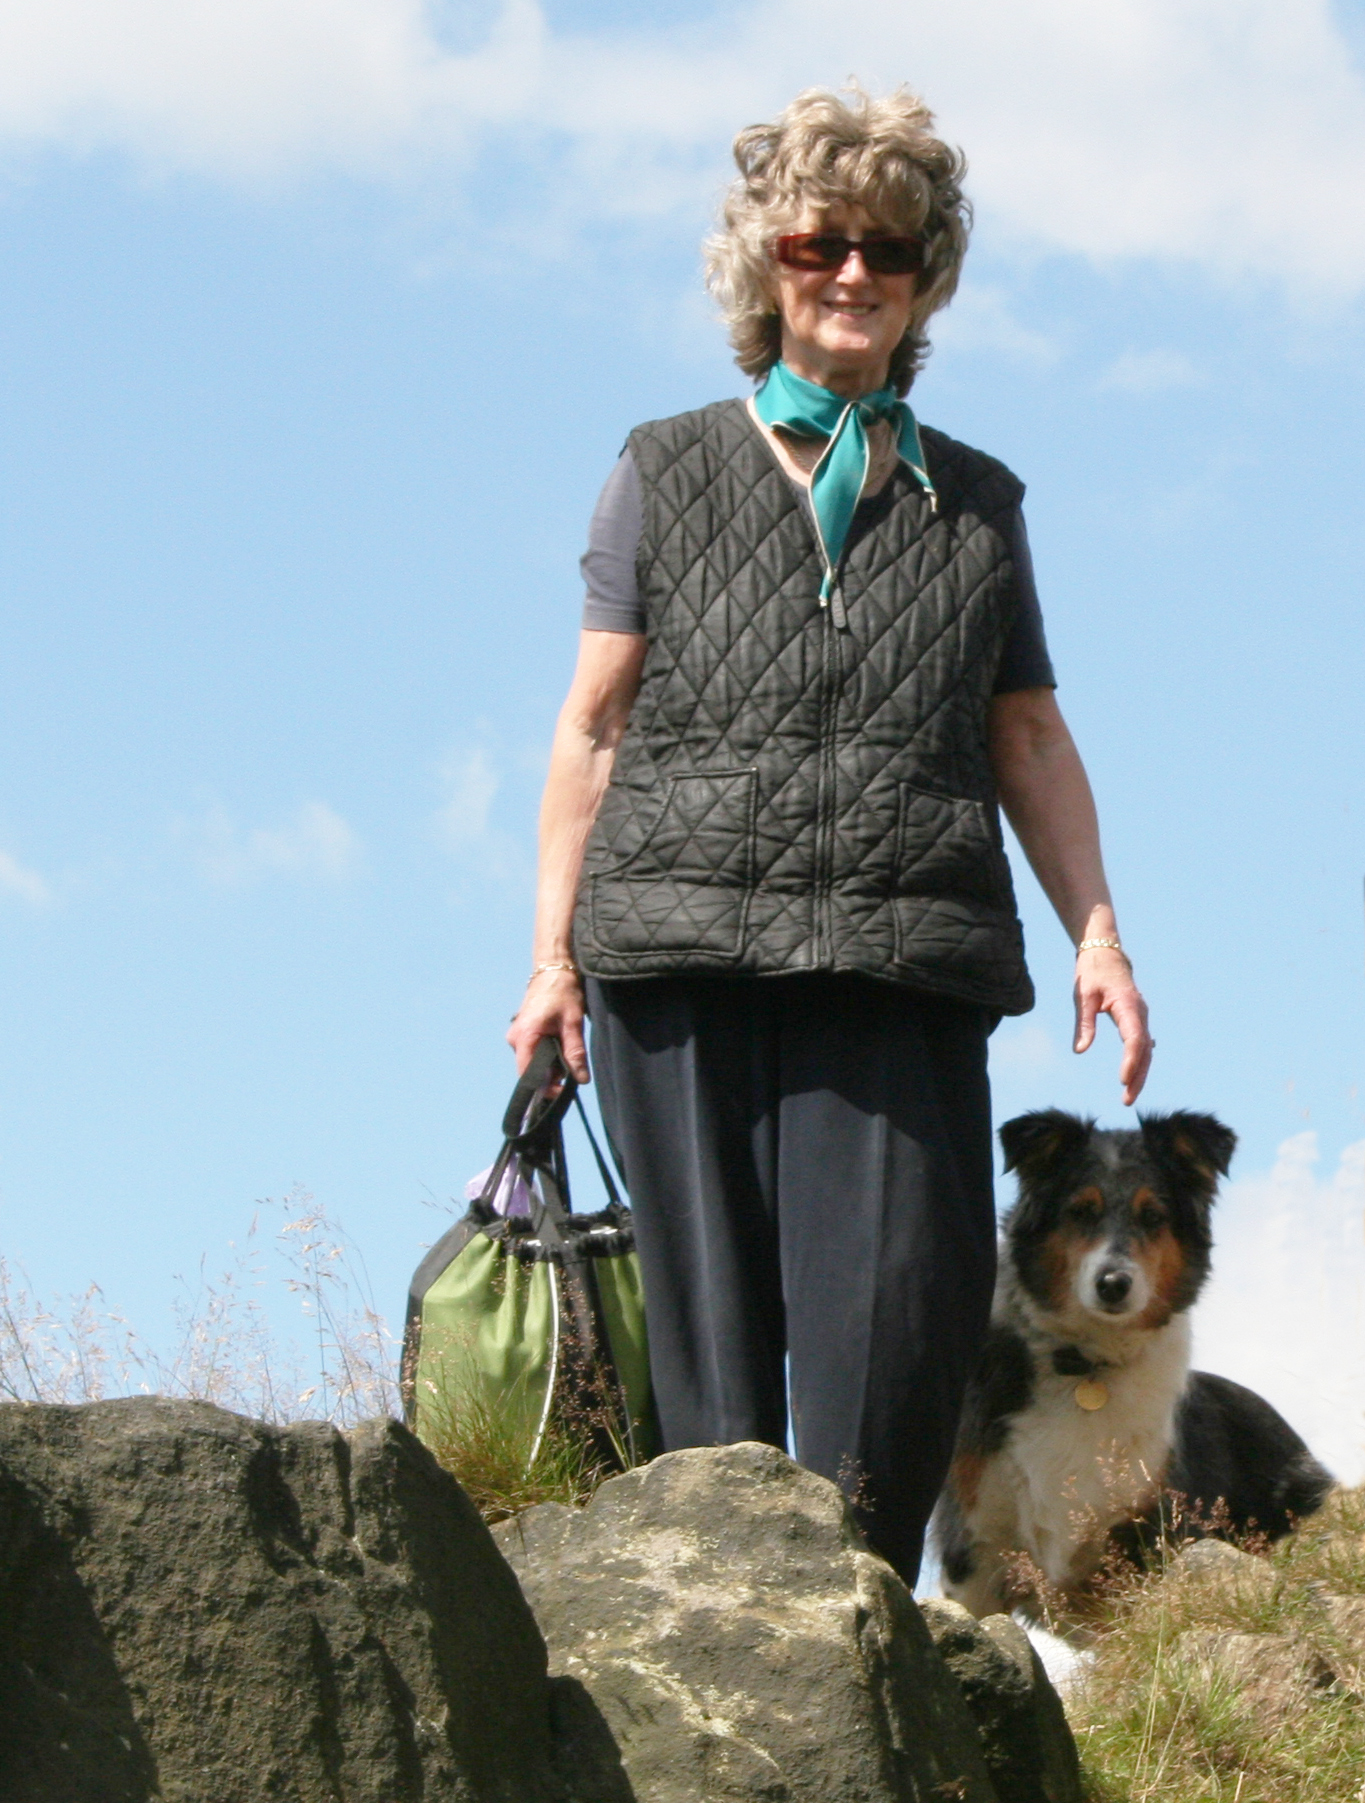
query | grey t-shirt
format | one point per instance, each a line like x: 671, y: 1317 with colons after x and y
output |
x: 613, y: 600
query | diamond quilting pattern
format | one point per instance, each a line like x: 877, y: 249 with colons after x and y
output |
x: 762, y: 812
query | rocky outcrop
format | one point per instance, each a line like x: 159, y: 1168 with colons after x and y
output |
x: 197, y: 1608
x: 1029, y: 1750
x: 723, y: 1613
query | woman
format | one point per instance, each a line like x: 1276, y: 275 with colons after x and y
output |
x: 770, y: 850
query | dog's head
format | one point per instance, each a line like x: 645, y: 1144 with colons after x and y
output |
x: 1113, y: 1226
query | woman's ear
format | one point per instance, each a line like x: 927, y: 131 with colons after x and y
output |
x: 1038, y: 1143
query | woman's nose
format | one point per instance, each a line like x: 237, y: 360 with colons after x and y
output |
x: 853, y: 269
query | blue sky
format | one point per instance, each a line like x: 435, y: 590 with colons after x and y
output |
x: 322, y: 322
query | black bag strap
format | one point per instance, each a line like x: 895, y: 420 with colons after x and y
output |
x: 608, y: 1183
x: 533, y: 1140
x: 542, y: 1096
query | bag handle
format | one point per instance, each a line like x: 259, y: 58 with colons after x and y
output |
x: 532, y: 1127
x: 608, y: 1183
x: 536, y: 1108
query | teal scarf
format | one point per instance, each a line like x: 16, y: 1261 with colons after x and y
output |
x: 836, y: 485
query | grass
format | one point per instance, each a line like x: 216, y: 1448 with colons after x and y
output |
x: 341, y: 1367
x: 486, y: 1450
x: 224, y: 1348
x: 1158, y: 1720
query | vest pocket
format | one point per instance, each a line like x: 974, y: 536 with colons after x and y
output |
x: 947, y: 845
x: 687, y: 887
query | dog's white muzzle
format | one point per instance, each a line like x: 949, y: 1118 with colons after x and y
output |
x: 1112, y: 1285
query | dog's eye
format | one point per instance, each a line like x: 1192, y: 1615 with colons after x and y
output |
x: 1085, y: 1210
x: 1151, y: 1218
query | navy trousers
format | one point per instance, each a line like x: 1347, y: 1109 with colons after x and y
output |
x: 809, y: 1161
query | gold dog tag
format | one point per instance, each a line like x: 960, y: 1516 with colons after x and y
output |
x: 1090, y: 1393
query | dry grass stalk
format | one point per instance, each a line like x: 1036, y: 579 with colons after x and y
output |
x: 225, y: 1349
x: 1162, y: 1717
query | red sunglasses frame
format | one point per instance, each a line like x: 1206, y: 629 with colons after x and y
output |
x: 794, y: 249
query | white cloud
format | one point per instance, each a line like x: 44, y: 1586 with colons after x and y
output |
x: 1228, y: 134
x: 317, y: 842
x: 15, y: 879
x: 1024, y: 1051
x: 251, y: 87
x: 1285, y: 1310
x: 466, y: 825
x: 1149, y: 372
x: 471, y: 784
x: 981, y: 319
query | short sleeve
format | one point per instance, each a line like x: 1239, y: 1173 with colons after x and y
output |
x: 1024, y: 663
x: 613, y: 601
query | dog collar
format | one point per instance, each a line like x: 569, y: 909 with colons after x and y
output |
x: 1070, y: 1361
x: 1090, y: 1393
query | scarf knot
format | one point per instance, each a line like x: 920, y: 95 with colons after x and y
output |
x: 838, y: 480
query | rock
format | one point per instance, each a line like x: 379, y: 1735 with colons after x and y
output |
x: 1270, y: 1675
x: 722, y: 1611
x: 197, y: 1608
x: 1029, y: 1749
x: 1347, y: 1616
x: 1217, y: 1562
x: 1346, y: 1624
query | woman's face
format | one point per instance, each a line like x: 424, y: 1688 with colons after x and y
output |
x: 839, y: 327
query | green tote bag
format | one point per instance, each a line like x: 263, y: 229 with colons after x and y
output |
x: 534, y: 1319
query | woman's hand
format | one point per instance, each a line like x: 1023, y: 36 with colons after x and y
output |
x: 1104, y: 985
x: 553, y: 1004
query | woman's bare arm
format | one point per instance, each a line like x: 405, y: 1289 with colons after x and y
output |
x: 1046, y: 797
x: 590, y: 726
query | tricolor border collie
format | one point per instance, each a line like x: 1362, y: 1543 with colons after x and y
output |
x: 1084, y: 1420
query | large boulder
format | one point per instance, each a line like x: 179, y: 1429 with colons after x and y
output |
x: 197, y: 1608
x: 1030, y: 1752
x: 723, y: 1613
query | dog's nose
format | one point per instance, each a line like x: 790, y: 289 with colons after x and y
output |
x: 1112, y: 1287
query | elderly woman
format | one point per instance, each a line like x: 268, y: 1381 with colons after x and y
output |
x: 772, y: 870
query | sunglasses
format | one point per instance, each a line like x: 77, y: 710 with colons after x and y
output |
x: 881, y: 255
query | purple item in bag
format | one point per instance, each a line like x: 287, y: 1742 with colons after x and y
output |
x: 512, y: 1196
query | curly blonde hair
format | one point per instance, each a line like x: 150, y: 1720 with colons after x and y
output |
x: 877, y: 154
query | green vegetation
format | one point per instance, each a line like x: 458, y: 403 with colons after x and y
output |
x: 1235, y: 1681
x: 486, y: 1451
x: 341, y: 1368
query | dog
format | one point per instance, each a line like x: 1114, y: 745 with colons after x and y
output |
x: 1085, y: 1438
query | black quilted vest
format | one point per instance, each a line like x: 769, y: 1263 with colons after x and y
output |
x: 803, y: 787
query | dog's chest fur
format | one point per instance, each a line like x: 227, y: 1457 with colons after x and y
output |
x: 1063, y: 1475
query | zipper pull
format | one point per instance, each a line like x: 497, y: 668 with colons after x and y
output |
x: 838, y: 611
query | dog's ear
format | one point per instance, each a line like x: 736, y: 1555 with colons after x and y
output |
x: 1037, y: 1143
x: 1195, y: 1147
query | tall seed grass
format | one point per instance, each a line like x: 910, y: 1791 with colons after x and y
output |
x: 342, y: 1365
x: 1158, y: 1721
x: 224, y: 1347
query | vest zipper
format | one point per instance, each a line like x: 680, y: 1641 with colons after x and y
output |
x: 825, y: 786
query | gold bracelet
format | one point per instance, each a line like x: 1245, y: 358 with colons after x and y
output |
x: 558, y: 965
x: 1104, y: 945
